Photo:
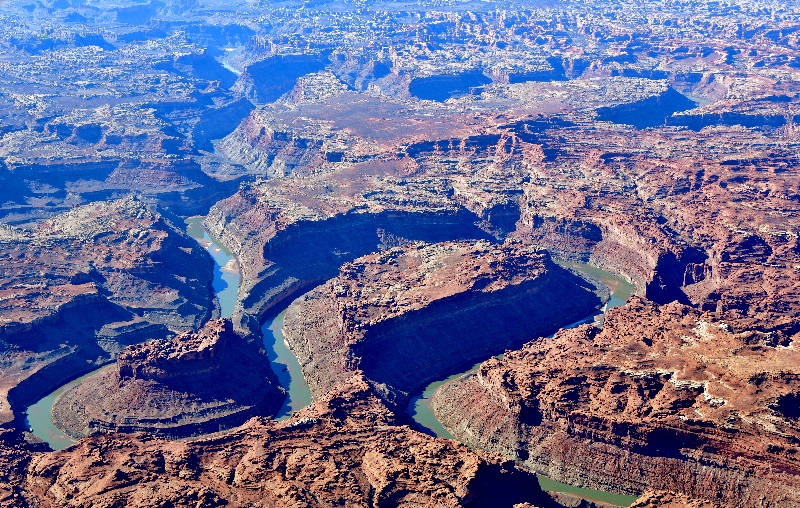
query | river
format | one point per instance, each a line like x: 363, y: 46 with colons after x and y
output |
x: 287, y: 368
x: 226, y: 269
x: 226, y: 286
x: 40, y: 420
x: 230, y: 53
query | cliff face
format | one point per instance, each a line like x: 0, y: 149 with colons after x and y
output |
x: 411, y: 315
x: 186, y: 354
x: 267, y: 231
x: 267, y: 80
x: 85, y: 283
x: 663, y: 397
x: 193, y: 384
x: 345, y: 449
x: 344, y: 190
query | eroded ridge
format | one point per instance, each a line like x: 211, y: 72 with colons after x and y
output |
x: 345, y: 449
x: 410, y: 315
x: 663, y: 397
x: 195, y: 383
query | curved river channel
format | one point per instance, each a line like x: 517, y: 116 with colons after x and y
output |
x: 226, y: 285
x: 287, y: 368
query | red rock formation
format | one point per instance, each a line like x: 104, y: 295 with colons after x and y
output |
x: 196, y: 383
x: 407, y: 316
x: 663, y: 397
x: 345, y: 449
x: 82, y: 285
x: 653, y: 499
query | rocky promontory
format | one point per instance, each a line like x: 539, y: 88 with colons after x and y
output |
x: 410, y: 315
x: 664, y: 397
x: 82, y: 285
x: 195, y: 383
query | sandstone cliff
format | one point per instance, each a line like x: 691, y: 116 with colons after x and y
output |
x: 408, y: 316
x: 82, y: 285
x: 345, y: 449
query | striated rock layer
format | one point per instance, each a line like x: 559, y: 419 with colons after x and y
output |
x: 663, y: 397
x: 344, y: 450
x: 82, y: 285
x: 196, y: 383
x: 408, y: 316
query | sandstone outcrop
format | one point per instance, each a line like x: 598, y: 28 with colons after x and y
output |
x: 663, y: 397
x: 660, y: 499
x: 195, y: 383
x: 82, y: 285
x: 410, y: 315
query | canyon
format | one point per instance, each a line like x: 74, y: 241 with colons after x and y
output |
x: 346, y: 448
x: 86, y: 283
x: 194, y: 383
x: 401, y: 190
x: 659, y: 388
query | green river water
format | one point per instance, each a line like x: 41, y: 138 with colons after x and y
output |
x: 226, y: 285
x: 420, y: 405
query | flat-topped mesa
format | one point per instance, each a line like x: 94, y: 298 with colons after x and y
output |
x: 666, y: 398
x: 413, y: 314
x: 188, y: 354
x: 196, y: 383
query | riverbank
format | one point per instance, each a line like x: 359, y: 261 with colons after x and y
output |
x: 39, y: 417
x: 226, y: 267
x: 286, y: 367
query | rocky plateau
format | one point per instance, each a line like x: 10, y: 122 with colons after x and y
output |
x: 345, y: 449
x: 411, y: 315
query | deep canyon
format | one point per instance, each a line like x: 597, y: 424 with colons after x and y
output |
x: 244, y: 245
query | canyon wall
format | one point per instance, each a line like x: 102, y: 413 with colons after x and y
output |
x: 87, y: 282
x: 663, y: 397
x: 408, y: 316
x: 344, y: 449
x: 195, y: 383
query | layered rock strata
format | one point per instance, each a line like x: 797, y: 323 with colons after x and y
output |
x: 345, y: 449
x: 82, y: 285
x: 195, y: 383
x: 410, y: 315
x: 663, y: 397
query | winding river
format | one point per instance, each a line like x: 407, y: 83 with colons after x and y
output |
x: 226, y: 286
x: 420, y: 408
x: 287, y: 369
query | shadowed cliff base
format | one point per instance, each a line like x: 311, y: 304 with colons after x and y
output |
x: 651, y: 112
